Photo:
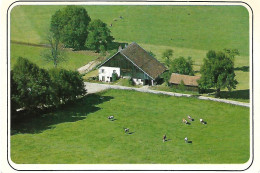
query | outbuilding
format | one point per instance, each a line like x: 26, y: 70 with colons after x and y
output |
x: 190, y: 82
x: 134, y: 62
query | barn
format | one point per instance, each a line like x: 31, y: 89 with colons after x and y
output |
x: 133, y: 62
x: 190, y: 82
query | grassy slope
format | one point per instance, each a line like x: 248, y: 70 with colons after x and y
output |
x: 74, y: 60
x: 207, y: 27
x: 155, y: 28
x: 81, y: 133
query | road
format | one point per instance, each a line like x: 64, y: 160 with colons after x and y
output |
x: 97, y: 87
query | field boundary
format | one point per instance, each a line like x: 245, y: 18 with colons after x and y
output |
x: 96, y: 87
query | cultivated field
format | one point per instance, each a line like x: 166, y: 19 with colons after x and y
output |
x: 81, y: 133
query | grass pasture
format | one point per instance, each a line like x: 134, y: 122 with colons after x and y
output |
x: 80, y: 133
x: 188, y: 30
x: 74, y: 59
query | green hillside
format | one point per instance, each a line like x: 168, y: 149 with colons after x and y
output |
x: 195, y: 27
x: 188, y: 30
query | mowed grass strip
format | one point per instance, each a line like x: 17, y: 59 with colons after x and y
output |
x: 73, y: 59
x: 81, y: 133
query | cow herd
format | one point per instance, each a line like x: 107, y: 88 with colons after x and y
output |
x: 111, y: 118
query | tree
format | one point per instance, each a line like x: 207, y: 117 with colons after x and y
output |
x: 65, y: 86
x: 32, y: 84
x: 167, y: 54
x: 99, y: 38
x: 217, y: 71
x: 182, y: 66
x: 56, y: 53
x: 179, y: 65
x: 70, y: 26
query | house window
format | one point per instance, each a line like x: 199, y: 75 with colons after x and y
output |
x: 102, y: 70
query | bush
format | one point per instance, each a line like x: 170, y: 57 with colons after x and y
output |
x: 65, y: 86
x: 32, y: 84
x: 33, y: 87
x: 114, y: 77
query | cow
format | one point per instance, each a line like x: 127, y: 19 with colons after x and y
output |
x: 126, y: 130
x: 202, y: 121
x: 186, y: 139
x: 184, y: 121
x: 111, y: 117
x: 189, y: 117
x: 164, y: 138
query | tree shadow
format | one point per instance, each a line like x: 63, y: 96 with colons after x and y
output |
x: 238, y: 94
x: 45, y: 119
x: 243, y: 68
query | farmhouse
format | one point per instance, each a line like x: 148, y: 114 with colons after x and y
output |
x: 133, y: 62
x: 191, y: 82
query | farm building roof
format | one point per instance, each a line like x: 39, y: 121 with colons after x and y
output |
x: 143, y: 60
x: 187, y: 80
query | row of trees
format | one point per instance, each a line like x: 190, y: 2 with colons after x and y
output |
x: 33, y: 87
x: 217, y: 70
x: 73, y: 27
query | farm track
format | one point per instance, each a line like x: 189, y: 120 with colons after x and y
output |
x: 96, y: 87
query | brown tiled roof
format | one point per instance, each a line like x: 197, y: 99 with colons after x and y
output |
x: 143, y: 60
x: 187, y: 80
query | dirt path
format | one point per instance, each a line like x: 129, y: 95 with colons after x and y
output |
x: 96, y: 87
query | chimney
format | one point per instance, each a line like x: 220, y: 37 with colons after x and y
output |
x: 119, y: 48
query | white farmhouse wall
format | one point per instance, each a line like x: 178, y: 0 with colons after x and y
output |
x: 105, y: 73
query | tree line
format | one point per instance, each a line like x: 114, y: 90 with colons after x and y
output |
x: 33, y: 87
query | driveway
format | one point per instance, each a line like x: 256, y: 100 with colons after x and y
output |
x: 97, y: 87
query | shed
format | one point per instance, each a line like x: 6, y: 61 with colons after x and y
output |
x: 190, y: 82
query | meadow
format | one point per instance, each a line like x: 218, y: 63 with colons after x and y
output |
x: 188, y: 30
x: 80, y: 133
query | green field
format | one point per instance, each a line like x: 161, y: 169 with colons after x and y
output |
x: 188, y: 30
x: 81, y: 133
x: 73, y: 60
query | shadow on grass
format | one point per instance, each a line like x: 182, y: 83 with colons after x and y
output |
x: 46, y: 119
x: 243, y: 68
x: 237, y: 94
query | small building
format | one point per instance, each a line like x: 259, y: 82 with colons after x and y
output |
x: 106, y: 73
x: 134, y: 62
x: 190, y: 82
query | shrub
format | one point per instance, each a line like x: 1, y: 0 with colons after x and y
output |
x: 29, y: 84
x: 65, y: 86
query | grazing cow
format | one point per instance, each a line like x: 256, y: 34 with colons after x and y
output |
x: 184, y: 121
x: 110, y: 117
x: 186, y: 139
x: 191, y: 119
x: 126, y: 130
x: 202, y: 121
x: 164, y: 138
